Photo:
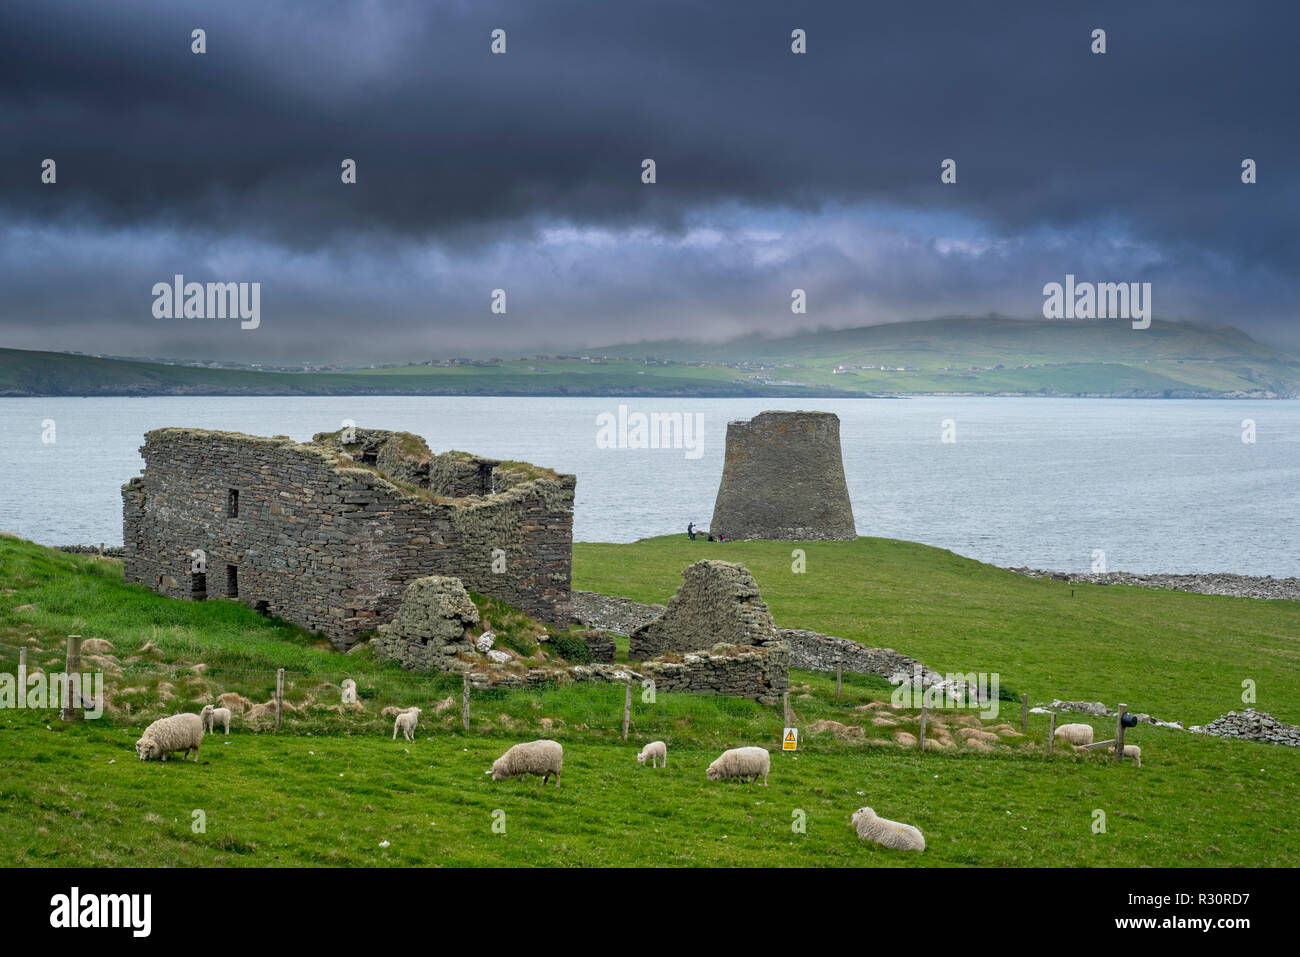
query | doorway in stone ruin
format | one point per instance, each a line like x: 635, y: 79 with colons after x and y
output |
x: 232, y: 581
x: 198, y: 586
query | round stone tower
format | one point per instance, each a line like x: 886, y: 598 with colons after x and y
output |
x: 783, y: 478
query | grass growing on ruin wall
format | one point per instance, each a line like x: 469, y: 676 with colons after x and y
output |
x: 1178, y: 656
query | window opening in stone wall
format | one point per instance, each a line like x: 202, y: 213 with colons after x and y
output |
x: 232, y: 581
x: 232, y: 503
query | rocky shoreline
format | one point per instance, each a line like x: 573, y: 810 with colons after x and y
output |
x: 1212, y: 583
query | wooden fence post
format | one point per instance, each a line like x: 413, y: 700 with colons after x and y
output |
x: 464, y: 702
x: 838, y: 674
x: 1119, y: 733
x: 1024, y: 713
x: 279, y: 697
x: 22, y: 676
x: 1051, y: 735
x: 920, y: 741
x: 785, y: 704
x: 627, y: 709
x: 72, y: 681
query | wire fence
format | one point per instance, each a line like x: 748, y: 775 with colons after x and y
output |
x: 313, y: 699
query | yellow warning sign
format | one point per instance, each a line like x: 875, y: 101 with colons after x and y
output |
x: 791, y: 740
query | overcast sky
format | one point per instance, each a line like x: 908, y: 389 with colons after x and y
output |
x: 522, y: 171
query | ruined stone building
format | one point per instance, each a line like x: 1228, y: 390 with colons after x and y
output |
x: 328, y: 533
x: 783, y: 478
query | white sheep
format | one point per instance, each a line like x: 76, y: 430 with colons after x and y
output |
x: 211, y: 716
x: 542, y: 758
x: 406, y: 721
x: 180, y: 732
x: 749, y: 763
x: 891, y: 834
x: 657, y: 752
x: 1130, y: 751
x: 1076, y: 734
x: 349, y: 691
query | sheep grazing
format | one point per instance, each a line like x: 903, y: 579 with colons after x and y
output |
x: 406, y: 721
x: 1075, y: 734
x: 1130, y: 751
x: 891, y: 834
x: 656, y: 752
x: 180, y: 732
x: 748, y: 763
x: 211, y: 716
x: 542, y: 758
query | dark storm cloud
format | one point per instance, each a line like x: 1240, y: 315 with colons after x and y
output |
x: 234, y: 156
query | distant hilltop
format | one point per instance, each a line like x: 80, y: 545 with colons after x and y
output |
x: 963, y: 356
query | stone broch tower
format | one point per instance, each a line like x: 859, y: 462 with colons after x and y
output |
x: 783, y: 478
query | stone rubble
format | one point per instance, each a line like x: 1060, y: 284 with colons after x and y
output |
x: 1214, y: 583
x: 1252, y: 724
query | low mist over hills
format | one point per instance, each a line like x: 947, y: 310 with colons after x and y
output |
x: 948, y: 356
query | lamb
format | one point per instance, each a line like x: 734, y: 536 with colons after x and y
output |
x: 1130, y: 751
x: 657, y: 752
x: 542, y: 758
x: 406, y: 721
x: 749, y: 763
x: 211, y: 716
x: 891, y: 834
x: 1076, y: 734
x: 180, y: 732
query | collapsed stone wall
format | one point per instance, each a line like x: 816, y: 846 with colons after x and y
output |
x: 718, y: 602
x: 783, y: 478
x: 813, y: 651
x: 327, y: 541
x: 610, y: 613
x: 738, y: 670
x: 723, y: 626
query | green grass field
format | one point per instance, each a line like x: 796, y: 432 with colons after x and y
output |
x: 330, y: 788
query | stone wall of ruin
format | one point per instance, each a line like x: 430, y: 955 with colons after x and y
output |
x: 329, y: 543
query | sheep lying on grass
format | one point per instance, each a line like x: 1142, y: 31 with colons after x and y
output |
x: 1130, y: 751
x: 180, y: 732
x: 891, y: 834
x: 406, y: 721
x: 1076, y: 734
x: 656, y: 752
x: 211, y: 716
x: 542, y: 758
x: 748, y: 763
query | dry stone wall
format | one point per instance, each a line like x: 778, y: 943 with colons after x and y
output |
x: 783, y: 478
x: 718, y: 602
x: 329, y: 542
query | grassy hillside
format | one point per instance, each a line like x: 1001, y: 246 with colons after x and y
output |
x: 331, y: 787
x: 1172, y: 654
x: 978, y: 356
